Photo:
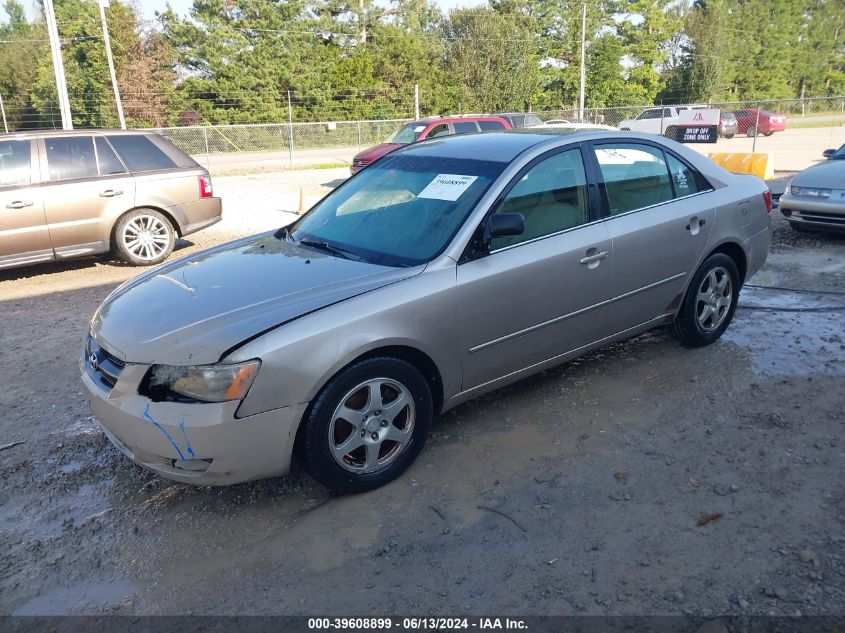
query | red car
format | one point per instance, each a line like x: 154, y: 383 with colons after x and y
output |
x: 429, y: 128
x: 767, y: 124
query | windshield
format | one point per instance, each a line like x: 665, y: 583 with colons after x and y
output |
x: 840, y: 153
x: 406, y: 134
x: 401, y: 211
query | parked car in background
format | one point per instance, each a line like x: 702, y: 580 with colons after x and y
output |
x: 521, y: 119
x: 728, y: 126
x: 445, y: 270
x: 71, y: 194
x: 815, y: 197
x: 427, y: 128
x: 767, y: 123
x: 664, y: 120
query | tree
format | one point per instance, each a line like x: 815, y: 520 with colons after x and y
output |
x: 493, y: 61
x: 646, y: 29
x: 20, y: 52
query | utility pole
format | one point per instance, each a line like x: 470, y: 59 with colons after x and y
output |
x: 583, y: 60
x: 107, y: 41
x: 58, y: 64
x: 416, y: 101
x: 3, y: 110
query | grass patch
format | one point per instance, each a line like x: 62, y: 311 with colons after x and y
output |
x: 831, y: 122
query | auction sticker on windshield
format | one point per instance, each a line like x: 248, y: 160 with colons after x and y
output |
x: 447, y: 187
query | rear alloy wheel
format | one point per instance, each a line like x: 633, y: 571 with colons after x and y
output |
x: 144, y: 237
x: 710, y: 302
x: 367, y: 425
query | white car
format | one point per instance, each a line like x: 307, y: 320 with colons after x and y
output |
x: 661, y: 120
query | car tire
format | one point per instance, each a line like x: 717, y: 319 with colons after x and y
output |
x: 795, y: 226
x: 671, y: 132
x: 625, y: 129
x: 383, y: 441
x: 750, y: 131
x: 709, y: 303
x: 729, y: 135
x: 143, y: 237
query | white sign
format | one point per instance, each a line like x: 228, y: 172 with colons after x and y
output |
x: 699, y: 116
x: 447, y: 187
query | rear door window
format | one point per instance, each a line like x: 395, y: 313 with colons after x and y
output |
x: 71, y: 157
x: 107, y: 159
x: 465, y: 127
x: 139, y: 153
x: 491, y: 126
x: 635, y: 176
x: 684, y: 178
x: 15, y: 163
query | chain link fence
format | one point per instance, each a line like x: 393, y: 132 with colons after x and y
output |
x: 812, y: 125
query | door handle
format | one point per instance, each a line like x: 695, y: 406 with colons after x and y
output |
x: 593, y: 256
x: 18, y: 204
x: 110, y: 193
x: 695, y: 224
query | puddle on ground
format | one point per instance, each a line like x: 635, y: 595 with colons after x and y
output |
x: 82, y: 598
x: 789, y: 342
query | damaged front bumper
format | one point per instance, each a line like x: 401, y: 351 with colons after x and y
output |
x: 197, y: 443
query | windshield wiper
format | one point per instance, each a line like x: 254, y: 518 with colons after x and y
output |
x: 329, y: 248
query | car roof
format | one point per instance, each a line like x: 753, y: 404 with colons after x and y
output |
x: 78, y: 132
x: 450, y: 118
x: 502, y: 146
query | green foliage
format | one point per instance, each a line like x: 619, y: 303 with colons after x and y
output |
x: 237, y: 62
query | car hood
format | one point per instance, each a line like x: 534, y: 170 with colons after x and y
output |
x: 376, y: 151
x: 193, y: 310
x: 829, y: 174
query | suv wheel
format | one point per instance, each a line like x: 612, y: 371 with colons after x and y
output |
x: 144, y: 237
x: 367, y: 425
x: 710, y: 302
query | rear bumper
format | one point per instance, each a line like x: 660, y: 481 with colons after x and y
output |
x: 818, y: 213
x: 200, y: 214
x: 202, y: 444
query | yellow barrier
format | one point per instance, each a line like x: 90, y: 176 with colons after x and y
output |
x: 761, y: 164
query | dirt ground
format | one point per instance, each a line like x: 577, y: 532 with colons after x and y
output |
x: 642, y: 479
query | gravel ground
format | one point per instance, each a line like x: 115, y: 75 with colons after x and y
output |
x: 642, y: 479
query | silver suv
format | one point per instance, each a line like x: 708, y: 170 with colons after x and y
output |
x: 71, y: 194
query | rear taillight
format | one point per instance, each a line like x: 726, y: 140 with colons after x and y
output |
x: 206, y: 190
x: 767, y: 198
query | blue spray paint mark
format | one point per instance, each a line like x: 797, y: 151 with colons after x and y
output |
x: 188, y: 448
x: 147, y: 417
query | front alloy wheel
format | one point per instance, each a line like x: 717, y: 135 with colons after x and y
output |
x: 372, y: 425
x: 367, y: 425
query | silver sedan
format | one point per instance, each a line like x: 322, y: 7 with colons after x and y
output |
x: 445, y: 270
x: 815, y: 198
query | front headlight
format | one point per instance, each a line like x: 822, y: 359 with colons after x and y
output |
x: 809, y: 192
x: 208, y: 383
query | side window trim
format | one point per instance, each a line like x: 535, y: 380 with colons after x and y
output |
x: 705, y: 186
x: 105, y: 139
x: 592, y: 211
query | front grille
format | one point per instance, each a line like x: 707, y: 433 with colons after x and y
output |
x: 102, y: 365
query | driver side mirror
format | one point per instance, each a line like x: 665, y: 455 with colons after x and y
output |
x: 828, y: 153
x: 505, y: 224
